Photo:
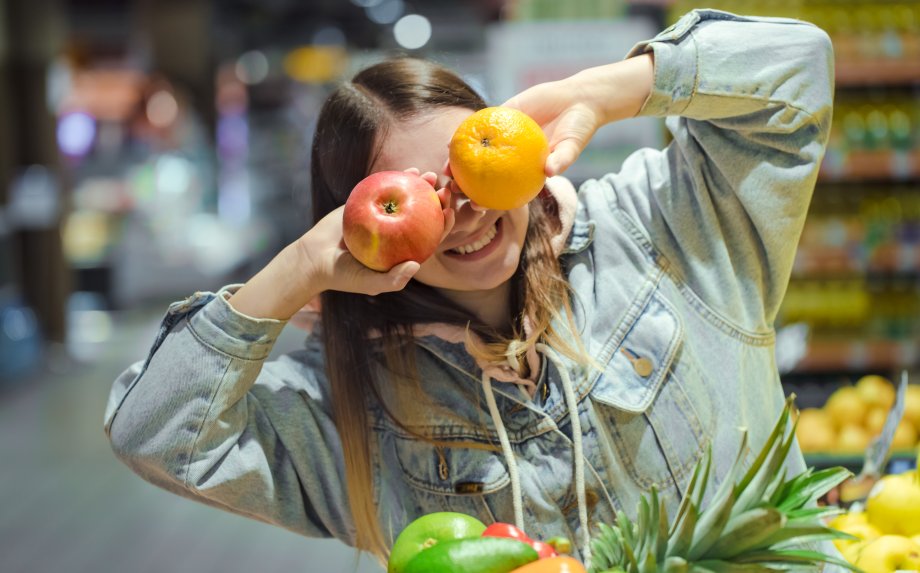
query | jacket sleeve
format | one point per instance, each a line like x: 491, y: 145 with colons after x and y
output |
x: 206, y: 417
x: 749, y: 104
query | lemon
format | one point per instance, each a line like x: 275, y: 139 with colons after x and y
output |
x: 815, y: 431
x: 889, y: 553
x: 893, y: 505
x: 846, y: 406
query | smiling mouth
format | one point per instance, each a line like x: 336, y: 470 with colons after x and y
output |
x: 478, y: 245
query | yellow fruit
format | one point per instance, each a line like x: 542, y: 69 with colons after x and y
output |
x: 846, y: 406
x: 845, y: 520
x: 893, y: 505
x: 815, y: 431
x: 905, y: 436
x: 852, y: 439
x: 889, y: 553
x: 912, y: 405
x: 876, y: 391
x: 851, y: 552
x: 497, y: 157
x: 864, y: 531
x: 875, y: 420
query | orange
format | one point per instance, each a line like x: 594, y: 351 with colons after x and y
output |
x: 846, y: 406
x: 497, y: 157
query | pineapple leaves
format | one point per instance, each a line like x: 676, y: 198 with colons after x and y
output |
x: 753, y: 524
x: 794, y: 557
x: 812, y: 486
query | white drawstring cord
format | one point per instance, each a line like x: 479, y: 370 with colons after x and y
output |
x: 516, y: 496
x: 578, y: 454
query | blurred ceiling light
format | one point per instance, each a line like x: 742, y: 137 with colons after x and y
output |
x: 75, y: 133
x: 234, y: 199
x: 173, y: 175
x: 315, y: 64
x: 329, y: 36
x: 385, y: 12
x: 366, y: 3
x: 252, y: 67
x: 412, y: 31
x: 162, y: 109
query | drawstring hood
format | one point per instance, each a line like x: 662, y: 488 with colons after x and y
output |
x: 578, y: 456
x: 578, y: 453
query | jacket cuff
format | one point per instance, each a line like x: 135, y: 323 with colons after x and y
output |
x: 675, y: 68
x: 231, y: 332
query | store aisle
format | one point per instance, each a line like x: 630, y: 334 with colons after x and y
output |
x: 67, y: 504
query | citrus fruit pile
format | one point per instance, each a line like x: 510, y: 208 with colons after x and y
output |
x: 497, y: 157
x: 887, y: 531
x: 853, y: 415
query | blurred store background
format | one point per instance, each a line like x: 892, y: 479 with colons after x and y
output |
x: 149, y: 149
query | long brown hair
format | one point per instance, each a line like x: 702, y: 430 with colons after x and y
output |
x: 352, y: 124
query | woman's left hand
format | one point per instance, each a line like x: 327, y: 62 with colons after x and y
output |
x: 567, y: 119
x: 571, y: 110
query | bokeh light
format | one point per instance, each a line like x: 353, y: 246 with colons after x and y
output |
x: 412, y: 31
x: 252, y: 67
x: 385, y: 12
x: 329, y: 36
x: 76, y: 132
x: 162, y: 109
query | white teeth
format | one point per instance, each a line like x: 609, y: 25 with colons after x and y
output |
x: 473, y: 247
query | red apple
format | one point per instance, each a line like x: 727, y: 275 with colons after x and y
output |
x: 392, y: 217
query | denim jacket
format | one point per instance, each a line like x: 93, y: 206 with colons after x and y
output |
x: 677, y: 263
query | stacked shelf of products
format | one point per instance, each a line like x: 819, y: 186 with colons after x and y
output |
x: 856, y: 279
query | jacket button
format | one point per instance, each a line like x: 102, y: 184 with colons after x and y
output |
x: 643, y: 366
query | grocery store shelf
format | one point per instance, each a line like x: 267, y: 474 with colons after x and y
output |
x: 885, y: 263
x: 863, y: 165
x: 880, y: 72
x: 899, y: 459
x: 864, y: 354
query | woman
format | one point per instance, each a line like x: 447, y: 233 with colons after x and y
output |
x: 590, y: 347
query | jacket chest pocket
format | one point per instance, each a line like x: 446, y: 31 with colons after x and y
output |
x: 651, y: 415
x: 465, y: 478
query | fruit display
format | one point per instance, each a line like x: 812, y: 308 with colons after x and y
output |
x: 391, y: 217
x: 754, y: 521
x: 451, y: 542
x: 497, y: 157
x: 886, y: 530
x: 854, y: 415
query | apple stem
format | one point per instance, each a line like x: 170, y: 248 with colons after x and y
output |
x: 390, y: 207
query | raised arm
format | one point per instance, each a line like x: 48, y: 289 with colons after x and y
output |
x: 749, y: 103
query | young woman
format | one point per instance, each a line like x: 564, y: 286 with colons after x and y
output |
x: 572, y: 354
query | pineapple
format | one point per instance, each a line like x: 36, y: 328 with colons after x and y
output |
x: 752, y: 525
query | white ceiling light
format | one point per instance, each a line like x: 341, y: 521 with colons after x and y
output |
x: 252, y: 67
x: 412, y: 31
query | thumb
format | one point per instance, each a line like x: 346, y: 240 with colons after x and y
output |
x: 398, y: 277
x: 571, y: 135
x: 563, y: 155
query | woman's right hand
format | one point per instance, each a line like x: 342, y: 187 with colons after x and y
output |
x: 334, y: 268
x: 319, y: 261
